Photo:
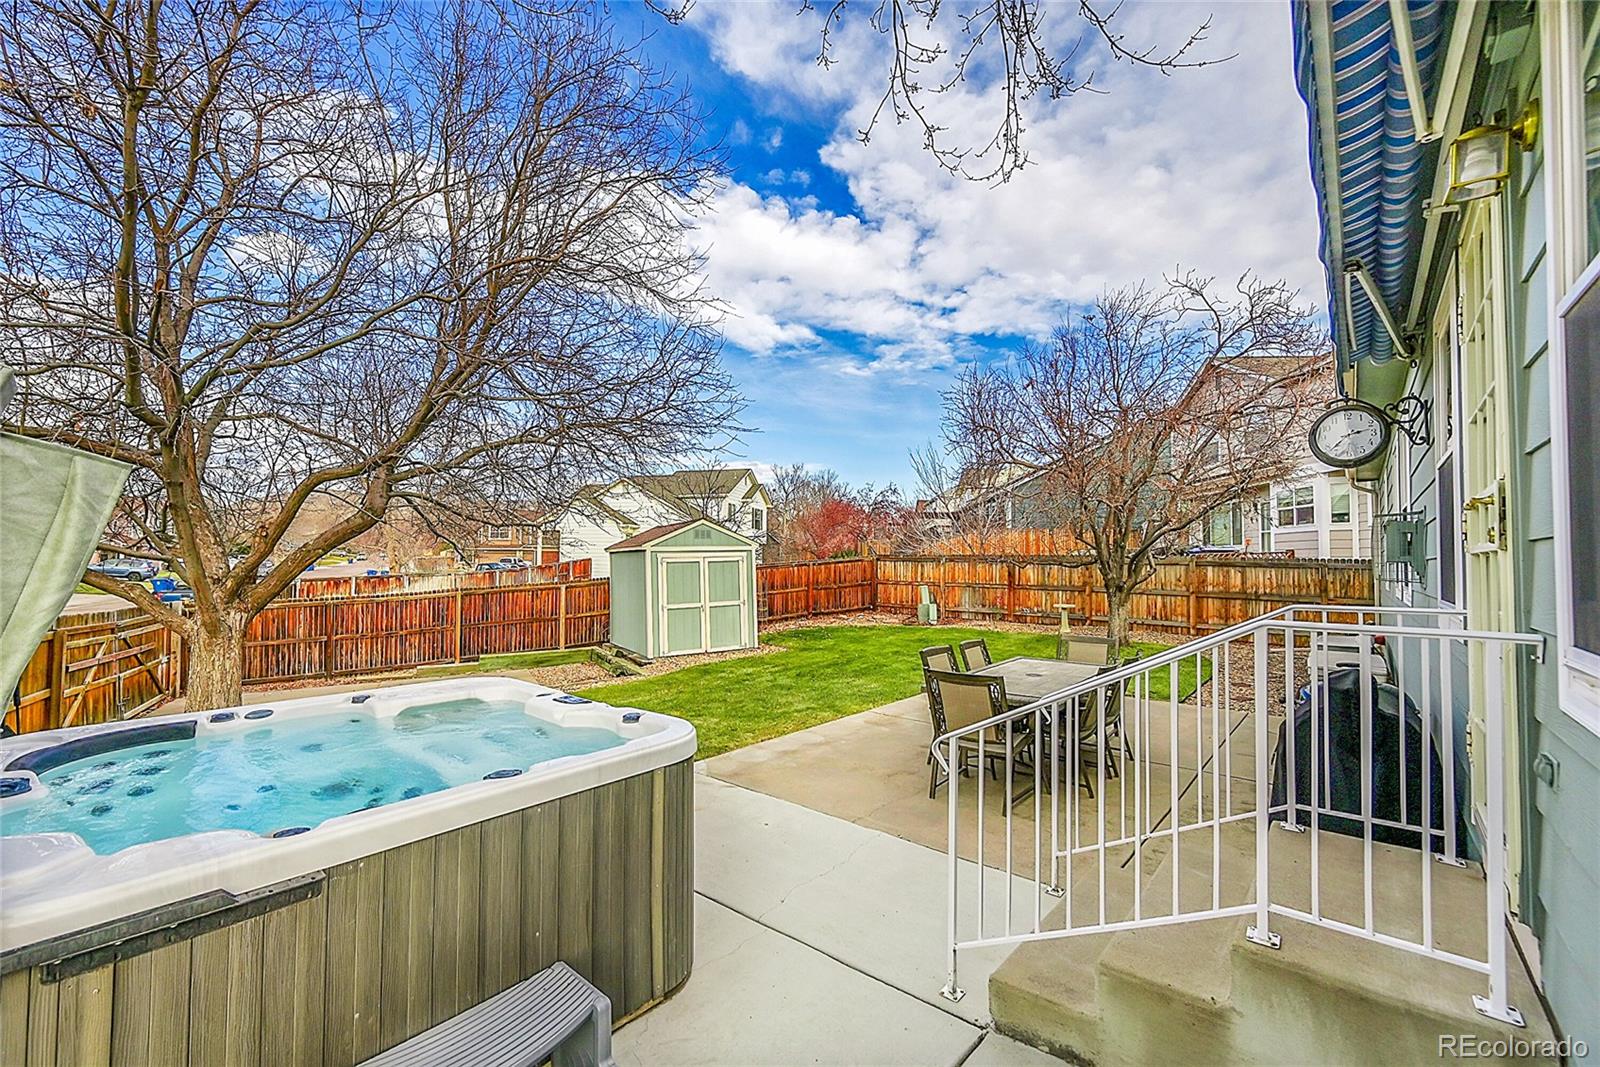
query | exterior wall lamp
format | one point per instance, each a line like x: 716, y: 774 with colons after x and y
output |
x: 1480, y: 159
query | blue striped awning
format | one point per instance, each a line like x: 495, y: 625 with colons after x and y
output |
x: 1367, y: 166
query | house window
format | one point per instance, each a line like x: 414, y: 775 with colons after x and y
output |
x: 757, y: 519
x: 499, y: 533
x: 1580, y: 334
x: 1297, y: 506
x: 530, y: 535
x: 1225, y: 527
x: 1339, y: 501
x: 733, y: 511
x: 552, y: 540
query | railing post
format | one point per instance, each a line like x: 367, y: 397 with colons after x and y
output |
x: 1494, y: 1005
x: 1259, y: 932
x: 951, y: 990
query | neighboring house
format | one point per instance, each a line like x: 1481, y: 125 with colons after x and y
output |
x: 598, y: 516
x: 534, y: 538
x: 1313, y: 511
x: 1476, y: 271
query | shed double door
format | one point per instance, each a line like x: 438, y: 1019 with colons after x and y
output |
x: 703, y: 604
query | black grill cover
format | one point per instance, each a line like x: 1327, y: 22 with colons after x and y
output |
x: 1340, y: 777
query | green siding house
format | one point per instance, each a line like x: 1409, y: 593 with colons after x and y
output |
x: 1460, y: 197
x: 682, y: 588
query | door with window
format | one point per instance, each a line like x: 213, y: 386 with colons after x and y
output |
x: 703, y: 604
x: 1486, y: 435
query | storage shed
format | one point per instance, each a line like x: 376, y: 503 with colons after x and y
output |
x: 681, y: 588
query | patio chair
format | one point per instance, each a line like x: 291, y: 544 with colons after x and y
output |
x: 956, y: 700
x: 936, y: 658
x: 1096, y: 650
x: 1090, y: 714
x: 976, y: 653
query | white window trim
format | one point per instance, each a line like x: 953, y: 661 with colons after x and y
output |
x: 1579, y: 668
x: 1566, y: 229
x: 1277, y: 524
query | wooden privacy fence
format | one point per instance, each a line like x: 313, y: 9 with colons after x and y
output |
x: 815, y: 587
x: 324, y: 638
x: 103, y: 667
x: 108, y: 666
x: 1191, y: 595
x: 373, y: 584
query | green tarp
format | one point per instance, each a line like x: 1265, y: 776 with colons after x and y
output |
x: 54, y: 505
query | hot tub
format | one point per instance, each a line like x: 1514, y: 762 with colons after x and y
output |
x: 325, y: 877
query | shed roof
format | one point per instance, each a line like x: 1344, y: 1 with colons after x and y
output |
x: 646, y: 538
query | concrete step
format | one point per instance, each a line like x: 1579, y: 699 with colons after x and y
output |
x: 1198, y: 991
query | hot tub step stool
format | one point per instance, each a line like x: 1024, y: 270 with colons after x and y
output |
x: 555, y: 1016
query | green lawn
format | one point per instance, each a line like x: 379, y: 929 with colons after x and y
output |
x: 824, y: 672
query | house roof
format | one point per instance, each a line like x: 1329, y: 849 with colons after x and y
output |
x: 1273, y: 366
x: 589, y: 496
x: 648, y: 537
x: 715, y: 481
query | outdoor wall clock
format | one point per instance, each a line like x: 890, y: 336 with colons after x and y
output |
x: 1350, y: 434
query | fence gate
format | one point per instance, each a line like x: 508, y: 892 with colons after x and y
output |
x: 99, y: 671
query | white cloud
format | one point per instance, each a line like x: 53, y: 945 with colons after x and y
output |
x: 773, y: 140
x: 739, y: 132
x: 1204, y: 168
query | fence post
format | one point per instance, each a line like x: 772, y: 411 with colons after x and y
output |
x: 811, y: 597
x: 561, y: 616
x: 327, y: 638
x: 872, y: 584
x: 458, y: 624
x: 1193, y: 600
x: 58, y: 680
x: 1011, y: 592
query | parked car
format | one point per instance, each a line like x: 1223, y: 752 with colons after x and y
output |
x: 128, y: 570
x: 493, y: 565
x: 513, y: 563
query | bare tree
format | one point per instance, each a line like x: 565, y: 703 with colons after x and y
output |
x: 277, y: 253
x: 934, y: 48
x: 1141, y: 416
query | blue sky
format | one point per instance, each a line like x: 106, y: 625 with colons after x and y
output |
x: 859, y: 279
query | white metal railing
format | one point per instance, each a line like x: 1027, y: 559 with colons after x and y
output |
x: 1171, y: 760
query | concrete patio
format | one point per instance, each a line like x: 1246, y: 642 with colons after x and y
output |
x: 816, y: 941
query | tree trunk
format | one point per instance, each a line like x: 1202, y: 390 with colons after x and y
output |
x: 216, y: 663
x: 1117, y: 601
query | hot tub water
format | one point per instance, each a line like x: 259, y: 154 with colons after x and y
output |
x: 270, y: 774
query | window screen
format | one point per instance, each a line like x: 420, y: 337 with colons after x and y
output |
x: 1582, y: 325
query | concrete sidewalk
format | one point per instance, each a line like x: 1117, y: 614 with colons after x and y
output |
x: 817, y: 941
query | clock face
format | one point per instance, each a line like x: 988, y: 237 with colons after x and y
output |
x: 1349, y: 436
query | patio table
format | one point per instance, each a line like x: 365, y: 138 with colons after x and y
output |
x: 1028, y: 679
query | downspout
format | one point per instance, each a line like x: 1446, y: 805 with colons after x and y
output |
x: 1369, y: 489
